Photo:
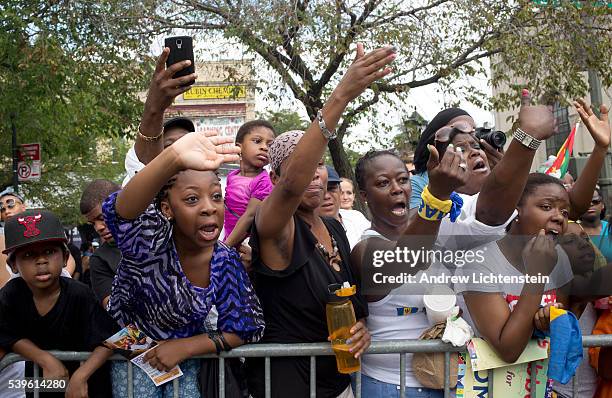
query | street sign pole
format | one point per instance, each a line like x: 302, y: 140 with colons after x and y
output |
x: 14, y: 150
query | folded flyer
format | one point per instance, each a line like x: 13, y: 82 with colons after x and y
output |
x: 133, y: 344
x: 159, y: 377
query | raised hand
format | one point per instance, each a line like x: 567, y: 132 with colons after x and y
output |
x: 204, y: 151
x: 448, y: 174
x: 599, y: 128
x: 163, y: 87
x: 365, y: 69
x: 535, y: 120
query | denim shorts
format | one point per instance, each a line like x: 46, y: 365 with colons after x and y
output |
x: 372, y: 388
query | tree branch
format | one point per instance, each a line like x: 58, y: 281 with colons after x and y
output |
x: 413, y: 12
x: 347, y: 119
x: 342, y: 49
x: 461, y: 60
x: 296, y: 63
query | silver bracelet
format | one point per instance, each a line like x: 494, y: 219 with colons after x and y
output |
x: 525, y: 139
x: 328, y: 134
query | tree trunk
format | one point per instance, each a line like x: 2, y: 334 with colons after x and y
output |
x: 345, y: 169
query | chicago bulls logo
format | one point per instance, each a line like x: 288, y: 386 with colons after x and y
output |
x: 29, y: 223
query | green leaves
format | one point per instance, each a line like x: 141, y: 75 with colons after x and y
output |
x: 71, y: 84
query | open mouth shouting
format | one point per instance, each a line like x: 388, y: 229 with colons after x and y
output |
x: 399, y: 209
x: 209, y: 231
x: 480, y: 166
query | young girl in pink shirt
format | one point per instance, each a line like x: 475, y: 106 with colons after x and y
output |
x: 250, y: 185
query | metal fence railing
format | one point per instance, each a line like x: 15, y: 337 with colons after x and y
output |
x: 312, y: 350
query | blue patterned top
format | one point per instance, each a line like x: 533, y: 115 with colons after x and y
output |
x: 151, y: 290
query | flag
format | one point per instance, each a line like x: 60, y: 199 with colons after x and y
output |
x: 565, y: 345
x: 561, y: 163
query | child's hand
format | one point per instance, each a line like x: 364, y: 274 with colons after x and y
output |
x: 167, y: 355
x: 365, y: 69
x: 245, y: 252
x: 599, y: 128
x: 541, y: 320
x: 163, y: 88
x: 77, y: 386
x: 205, y: 151
x: 53, y: 368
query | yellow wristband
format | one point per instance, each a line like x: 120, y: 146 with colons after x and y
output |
x: 435, y: 203
x: 429, y: 213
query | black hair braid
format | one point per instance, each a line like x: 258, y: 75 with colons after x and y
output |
x: 362, y: 164
x: 163, y: 193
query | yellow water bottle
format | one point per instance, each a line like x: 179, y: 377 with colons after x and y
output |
x: 340, y: 320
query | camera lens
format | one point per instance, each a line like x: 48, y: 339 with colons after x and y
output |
x: 179, y: 43
x: 497, y: 139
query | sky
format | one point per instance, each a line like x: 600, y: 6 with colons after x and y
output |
x: 427, y: 100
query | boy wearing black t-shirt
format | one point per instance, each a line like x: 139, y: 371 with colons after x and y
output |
x: 43, y: 311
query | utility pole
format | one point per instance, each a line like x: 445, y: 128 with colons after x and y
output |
x: 14, y: 151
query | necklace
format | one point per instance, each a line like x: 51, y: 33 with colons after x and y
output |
x: 332, y: 259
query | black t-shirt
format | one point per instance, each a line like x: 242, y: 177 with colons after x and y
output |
x: 103, y: 265
x: 293, y: 302
x: 76, y: 322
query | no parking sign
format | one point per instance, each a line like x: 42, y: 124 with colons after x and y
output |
x: 28, y: 166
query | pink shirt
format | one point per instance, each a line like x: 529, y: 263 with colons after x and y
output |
x: 238, y: 193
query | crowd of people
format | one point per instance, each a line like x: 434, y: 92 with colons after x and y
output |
x: 203, y: 271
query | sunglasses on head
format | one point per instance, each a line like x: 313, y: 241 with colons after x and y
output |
x: 444, y: 134
x: 9, y: 204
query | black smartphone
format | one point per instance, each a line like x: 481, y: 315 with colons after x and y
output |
x: 181, y: 49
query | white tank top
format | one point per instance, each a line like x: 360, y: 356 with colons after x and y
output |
x: 396, y: 316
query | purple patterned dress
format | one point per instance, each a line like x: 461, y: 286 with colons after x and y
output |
x: 151, y: 290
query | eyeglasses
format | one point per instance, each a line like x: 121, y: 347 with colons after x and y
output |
x: 9, y: 204
x: 595, y: 202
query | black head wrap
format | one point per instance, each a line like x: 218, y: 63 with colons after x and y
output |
x: 421, y: 154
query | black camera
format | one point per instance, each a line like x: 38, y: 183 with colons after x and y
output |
x: 497, y: 139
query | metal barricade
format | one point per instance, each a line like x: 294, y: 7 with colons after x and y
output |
x: 312, y: 350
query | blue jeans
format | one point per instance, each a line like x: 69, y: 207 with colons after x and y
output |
x: 372, y: 388
x: 144, y: 386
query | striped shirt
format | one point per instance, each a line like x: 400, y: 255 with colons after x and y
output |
x: 151, y: 290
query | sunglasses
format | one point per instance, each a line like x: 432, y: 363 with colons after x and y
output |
x: 9, y: 204
x: 595, y: 202
x: 333, y: 187
x: 444, y: 134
